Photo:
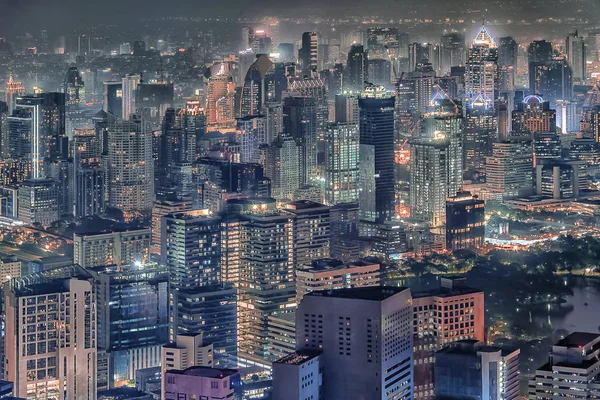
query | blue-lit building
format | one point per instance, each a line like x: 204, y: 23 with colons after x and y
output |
x: 132, y: 320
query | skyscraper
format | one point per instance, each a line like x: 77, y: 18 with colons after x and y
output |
x: 59, y: 361
x: 377, y: 195
x: 553, y: 80
x: 130, y: 165
x: 130, y: 84
x: 342, y: 163
x: 199, y: 302
x: 282, y: 165
x: 220, y: 98
x: 309, y: 52
x: 300, y: 122
x: 465, y: 222
x: 453, y: 52
x: 356, y: 69
x: 365, y: 335
x: 533, y: 115
x: 509, y: 170
x: 254, y: 90
x: 119, y: 248
x: 576, y: 55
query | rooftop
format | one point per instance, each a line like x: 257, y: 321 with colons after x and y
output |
x: 577, y: 339
x: 303, y: 205
x: 298, y: 357
x: 369, y: 293
x: 205, y: 372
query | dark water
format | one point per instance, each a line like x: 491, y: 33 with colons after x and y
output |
x: 584, y: 307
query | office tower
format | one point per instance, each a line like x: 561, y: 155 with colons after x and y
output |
x: 507, y: 62
x: 297, y: 376
x: 356, y: 69
x: 36, y: 129
x: 452, y: 51
x: 341, y: 163
x: 327, y: 274
x: 222, y: 180
x: 129, y: 85
x: 539, y: 51
x: 251, y: 133
x: 585, y: 149
x: 60, y: 170
x: 379, y: 72
x: 152, y: 99
x: 60, y: 360
x: 282, y: 165
x: 469, y: 368
x: 591, y: 122
x: 220, y: 97
x: 546, y: 146
x: 266, y: 272
x: 429, y: 161
x: 120, y: 248
x: 273, y: 113
x: 10, y: 267
x: 533, y: 115
x: 422, y: 78
x: 465, y: 223
x: 566, y: 116
x: 419, y: 53
x: 74, y: 89
x: 309, y: 52
x: 132, y: 321
x: 177, y: 152
x: 286, y: 52
x: 576, y: 55
x: 365, y: 335
x: 311, y: 229
x: 113, y: 98
x: 198, y: 300
x: 376, y: 155
x: 89, y: 181
x: 509, y: 169
x: 346, y: 108
x: 560, y: 179
x: 317, y: 89
x: 481, y: 90
x: 38, y: 202
x: 130, y: 166
x: 381, y: 42
x: 553, y: 79
x: 300, y: 122
x: 13, y: 90
x: 201, y: 383
x: 282, y: 334
x: 254, y: 89
x: 464, y: 306
x: 161, y: 208
x: 572, y: 361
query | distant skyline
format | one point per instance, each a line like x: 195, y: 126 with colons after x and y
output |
x: 32, y: 15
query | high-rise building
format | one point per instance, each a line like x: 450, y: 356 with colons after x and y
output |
x: 297, y: 376
x: 327, y: 274
x: 119, y: 248
x: 300, y: 122
x: 356, y: 69
x: 160, y: 209
x: 132, y: 318
x: 59, y: 361
x: 509, y: 170
x: 533, y: 115
x: 553, y: 80
x: 573, y: 360
x: 129, y: 85
x: 481, y: 92
x: 429, y: 161
x: 539, y: 51
x: 469, y: 368
x: 560, y: 179
x: 566, y: 116
x: 282, y: 165
x: 576, y: 55
x: 452, y: 52
x: 13, y: 90
x: 198, y: 300
x: 365, y: 335
x: 507, y: 62
x: 74, y: 90
x: 38, y: 202
x: 309, y: 52
x: 441, y: 316
x: 465, y: 222
x: 36, y: 129
x: 113, y: 98
x: 220, y: 97
x: 342, y: 163
x: 546, y: 146
x: 266, y: 273
x: 130, y: 166
x: 254, y: 90
x: 377, y: 195
x: 251, y: 133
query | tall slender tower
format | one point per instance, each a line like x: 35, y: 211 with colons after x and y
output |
x: 130, y: 84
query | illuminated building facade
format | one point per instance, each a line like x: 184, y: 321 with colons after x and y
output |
x: 120, y: 248
x: 465, y: 223
x: 342, y: 163
x: 533, y: 115
x: 509, y: 169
